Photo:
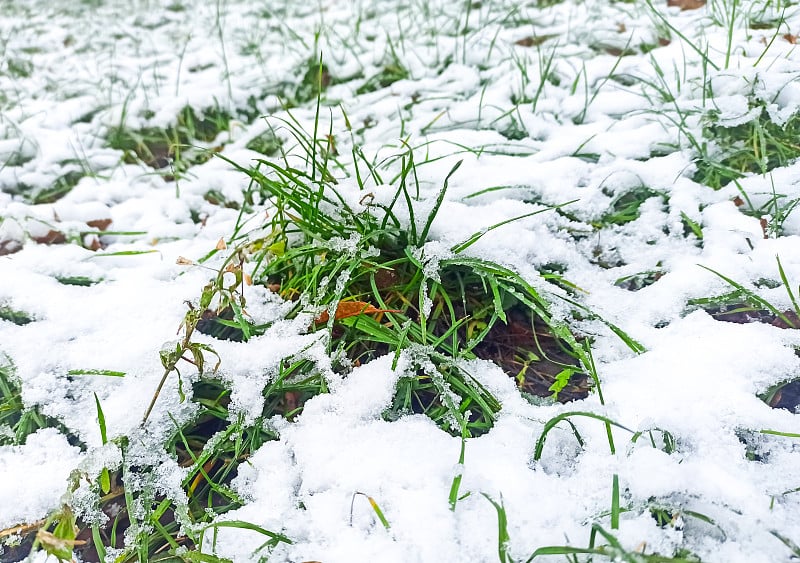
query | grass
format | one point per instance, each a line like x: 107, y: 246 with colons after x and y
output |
x: 365, y: 279
x: 754, y: 147
x: 19, y: 318
x: 17, y: 420
x: 172, y: 147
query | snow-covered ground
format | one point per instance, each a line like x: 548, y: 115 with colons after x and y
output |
x: 584, y: 101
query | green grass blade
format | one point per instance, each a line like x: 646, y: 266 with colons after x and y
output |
x: 439, y: 199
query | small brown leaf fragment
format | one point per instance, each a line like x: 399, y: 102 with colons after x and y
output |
x: 791, y: 38
x: 621, y: 28
x: 347, y: 309
x: 99, y: 224
x: 184, y: 261
x: 221, y: 244
x: 664, y: 41
x: 533, y: 40
x: 92, y: 242
x: 247, y: 279
x: 51, y: 237
x: 9, y: 246
x: 687, y: 4
x: 738, y: 201
x: 764, y: 226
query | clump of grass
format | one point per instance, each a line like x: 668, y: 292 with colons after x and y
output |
x: 267, y: 143
x: 372, y: 286
x: 19, y: 318
x: 387, y: 76
x: 625, y: 207
x: 755, y: 147
x: 772, y: 214
x: 744, y: 305
x: 18, y: 421
x: 212, y: 446
x: 172, y: 146
x: 315, y: 79
x: 392, y: 71
x: 60, y: 187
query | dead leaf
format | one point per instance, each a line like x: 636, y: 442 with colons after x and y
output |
x: 533, y: 40
x: 738, y: 201
x: 347, y: 309
x: 92, y: 242
x: 51, y: 237
x: 99, y: 224
x: 791, y: 38
x: 9, y: 246
x: 687, y: 4
x: 221, y: 245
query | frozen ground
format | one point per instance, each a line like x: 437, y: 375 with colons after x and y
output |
x: 584, y: 101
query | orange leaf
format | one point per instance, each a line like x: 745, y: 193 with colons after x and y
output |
x: 347, y: 309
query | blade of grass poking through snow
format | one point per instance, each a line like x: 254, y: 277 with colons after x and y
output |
x: 105, y: 476
x: 788, y: 287
x: 793, y: 547
x: 456, y: 484
x: 615, y: 502
x: 124, y: 253
x: 566, y: 416
x: 502, y: 529
x: 677, y: 32
x: 592, y: 369
x: 375, y: 508
x: 731, y: 23
x: 275, y: 538
x: 105, y: 372
x: 779, y: 433
x: 693, y: 226
x: 752, y: 296
x: 478, y: 234
x: 439, y: 199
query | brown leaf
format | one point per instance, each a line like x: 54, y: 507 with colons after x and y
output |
x: 347, y: 309
x: 738, y: 201
x: 9, y: 246
x: 92, y: 242
x: 687, y: 4
x: 533, y: 40
x: 791, y: 38
x: 51, y: 237
x: 99, y: 224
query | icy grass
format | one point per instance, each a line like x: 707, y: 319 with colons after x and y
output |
x: 439, y: 142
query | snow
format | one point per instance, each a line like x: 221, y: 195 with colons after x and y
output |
x: 590, y: 138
